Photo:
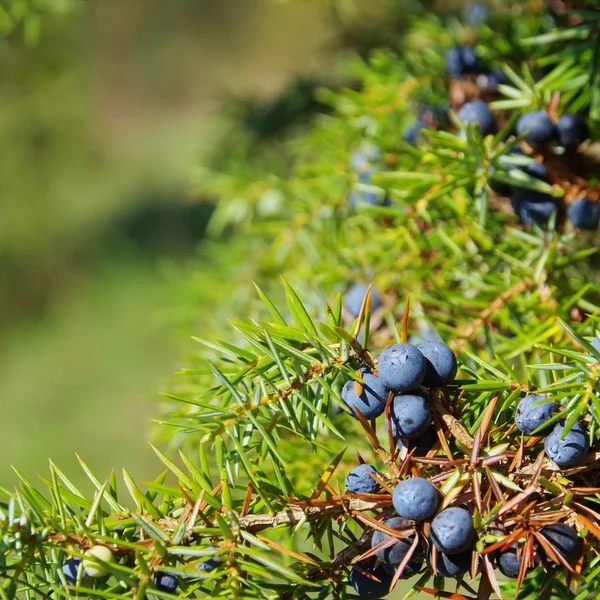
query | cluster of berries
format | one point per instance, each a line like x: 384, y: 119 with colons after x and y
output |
x: 565, y: 449
x: 538, y: 129
x: 93, y: 566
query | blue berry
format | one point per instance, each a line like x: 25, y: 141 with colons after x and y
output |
x: 452, y: 531
x: 356, y: 294
x: 596, y: 344
x: 537, y: 126
x: 475, y: 13
x: 371, y: 402
x: 70, y: 568
x: 362, y: 161
x: 572, y: 131
x: 209, y: 565
x: 564, y: 540
x: 393, y: 555
x: 369, y: 588
x: 441, y: 364
x: 165, y: 582
x: 453, y: 565
x: 402, y: 367
x: 415, y: 498
x: 509, y: 562
x: 423, y: 444
x: 537, y: 170
x: 478, y: 112
x: 533, y: 207
x: 412, y: 135
x: 410, y: 416
x: 584, y: 214
x: 570, y: 450
x: 532, y: 412
x: 359, y: 481
x: 461, y: 60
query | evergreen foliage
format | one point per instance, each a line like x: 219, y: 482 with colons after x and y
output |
x: 254, y: 505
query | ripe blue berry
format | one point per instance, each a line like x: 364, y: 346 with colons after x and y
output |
x: 410, y: 416
x: 479, y: 113
x: 453, y: 565
x: 415, y: 498
x: 584, y: 214
x: 359, y: 481
x: 570, y: 450
x: 393, y: 555
x: 509, y: 562
x: 564, y: 540
x: 165, y: 582
x: 475, y: 13
x: 412, y: 135
x: 532, y: 412
x: 70, y: 568
x: 369, y: 588
x: 402, y: 367
x: 422, y: 445
x: 572, y: 131
x: 537, y: 126
x: 461, y: 60
x: 356, y: 294
x: 209, y: 565
x: 533, y: 207
x: 362, y: 161
x: 372, y: 399
x: 441, y: 364
x: 452, y: 531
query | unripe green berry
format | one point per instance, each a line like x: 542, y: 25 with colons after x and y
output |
x: 91, y: 560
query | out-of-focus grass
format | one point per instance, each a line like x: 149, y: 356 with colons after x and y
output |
x: 109, y: 109
x: 74, y: 378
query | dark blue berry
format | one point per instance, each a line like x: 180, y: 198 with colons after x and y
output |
x: 415, y: 498
x: 532, y: 412
x: 584, y: 214
x: 359, y: 481
x: 412, y: 135
x: 362, y: 161
x: 165, y: 582
x: 70, y: 569
x: 509, y: 562
x: 478, y: 112
x: 572, y: 131
x: 475, y: 13
x: 537, y: 126
x: 208, y: 565
x: 410, y: 416
x: 463, y: 60
x: 393, y: 555
x: 452, y: 531
x: 372, y: 399
x: 454, y: 62
x: 356, y: 294
x: 441, y: 364
x: 533, y: 207
x: 422, y: 445
x: 369, y: 588
x: 453, y: 565
x: 402, y: 367
x: 564, y: 540
x: 570, y: 450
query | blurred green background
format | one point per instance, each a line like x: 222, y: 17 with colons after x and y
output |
x: 101, y: 123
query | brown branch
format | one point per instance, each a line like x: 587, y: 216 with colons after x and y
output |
x: 313, y: 511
